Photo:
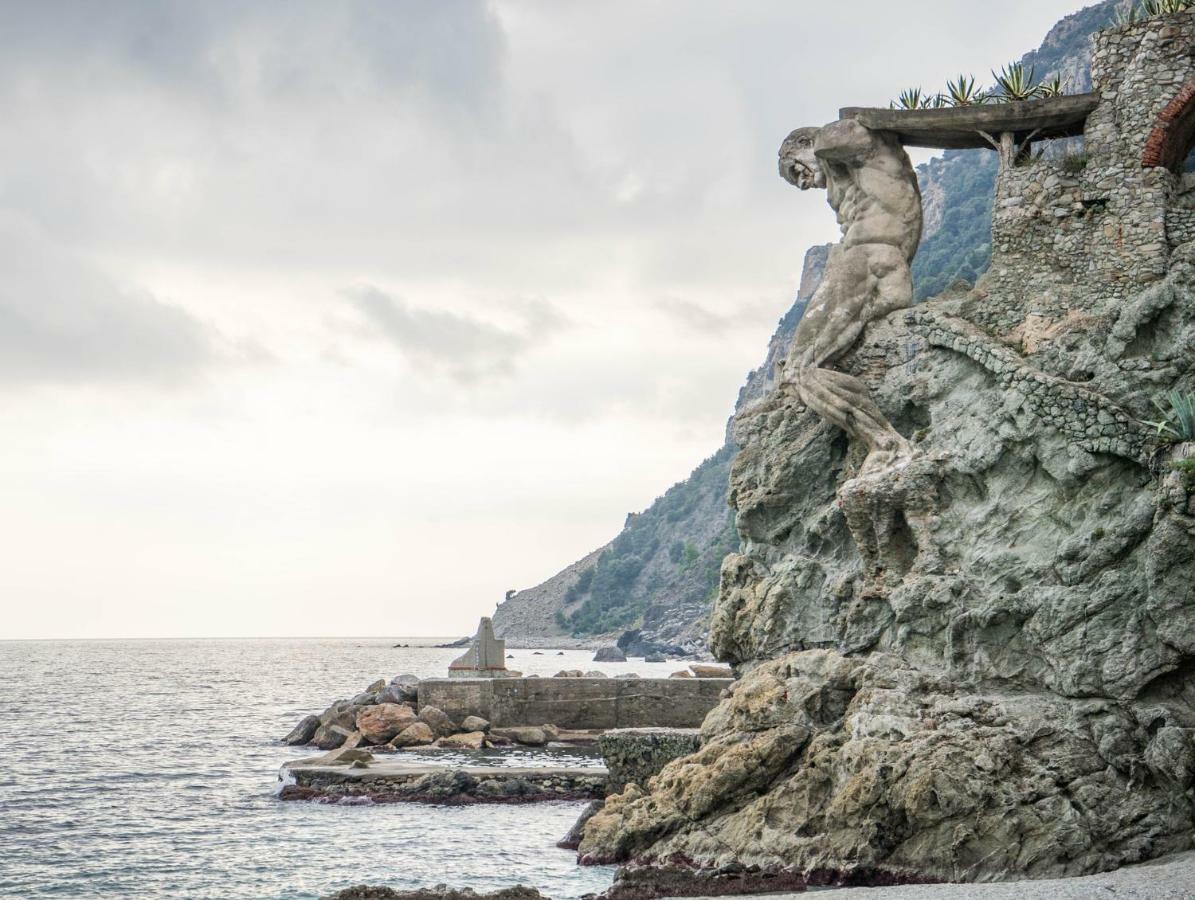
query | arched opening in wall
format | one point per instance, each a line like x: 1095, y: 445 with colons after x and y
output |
x: 1172, y: 140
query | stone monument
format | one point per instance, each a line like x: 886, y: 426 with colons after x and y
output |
x: 871, y: 186
x: 485, y: 658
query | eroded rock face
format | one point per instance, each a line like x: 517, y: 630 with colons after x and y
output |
x: 824, y: 762
x: 1006, y: 687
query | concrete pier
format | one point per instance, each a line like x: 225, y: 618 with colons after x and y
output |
x: 595, y: 704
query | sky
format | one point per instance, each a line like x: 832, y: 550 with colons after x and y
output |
x: 345, y: 318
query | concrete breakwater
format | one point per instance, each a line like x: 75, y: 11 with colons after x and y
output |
x: 388, y: 781
x: 594, y: 704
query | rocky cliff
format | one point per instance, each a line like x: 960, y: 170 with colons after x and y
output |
x: 983, y: 664
x: 660, y: 572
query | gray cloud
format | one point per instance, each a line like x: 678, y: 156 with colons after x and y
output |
x: 64, y: 320
x: 700, y: 319
x: 462, y: 346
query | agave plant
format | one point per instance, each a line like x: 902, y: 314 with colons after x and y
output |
x: 1052, y: 87
x: 1148, y: 9
x: 1179, y: 410
x: 963, y: 92
x: 913, y: 98
x: 1014, y: 83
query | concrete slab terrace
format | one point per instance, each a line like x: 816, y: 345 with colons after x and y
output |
x: 963, y: 128
x: 581, y: 704
x: 392, y: 781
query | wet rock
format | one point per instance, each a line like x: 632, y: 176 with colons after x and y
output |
x: 329, y: 737
x: 471, y: 740
x: 417, y: 734
x: 655, y: 658
x: 303, y: 732
x: 572, y: 840
x: 439, y: 892
x: 379, y: 724
x: 527, y: 735
x: 437, y: 720
x: 610, y: 654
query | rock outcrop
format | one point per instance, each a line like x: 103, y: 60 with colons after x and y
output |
x: 982, y: 666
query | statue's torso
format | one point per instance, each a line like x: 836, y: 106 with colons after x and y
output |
x: 877, y: 199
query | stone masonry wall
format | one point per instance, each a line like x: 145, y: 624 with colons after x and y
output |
x: 1069, y: 234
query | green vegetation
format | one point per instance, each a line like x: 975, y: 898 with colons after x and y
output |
x: 961, y: 248
x: 1014, y: 83
x: 1073, y: 163
x: 1178, y: 407
x: 1150, y: 9
x: 616, y: 590
x: 1186, y: 468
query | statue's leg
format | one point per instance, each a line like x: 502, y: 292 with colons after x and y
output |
x: 861, y: 283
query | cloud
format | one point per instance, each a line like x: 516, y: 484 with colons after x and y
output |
x: 62, y: 319
x: 701, y: 320
x: 462, y: 346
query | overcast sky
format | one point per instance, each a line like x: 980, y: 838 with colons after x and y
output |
x: 341, y: 318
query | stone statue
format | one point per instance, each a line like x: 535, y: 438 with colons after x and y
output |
x: 872, y: 187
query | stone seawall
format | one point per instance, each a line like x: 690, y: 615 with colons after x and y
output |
x: 577, y: 703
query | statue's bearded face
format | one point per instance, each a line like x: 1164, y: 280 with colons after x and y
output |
x: 798, y: 165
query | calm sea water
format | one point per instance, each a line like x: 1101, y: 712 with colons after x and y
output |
x: 148, y: 769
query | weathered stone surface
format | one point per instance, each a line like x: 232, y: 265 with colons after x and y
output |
x: 526, y: 734
x: 978, y: 666
x: 819, y: 761
x: 439, y: 892
x: 470, y: 740
x: 331, y: 736
x: 474, y: 723
x: 401, y: 689
x: 610, y: 654
x: 572, y: 840
x: 415, y: 735
x: 633, y: 755
x: 485, y: 658
x: 700, y: 670
x: 378, y: 724
x: 303, y: 732
x: 436, y: 719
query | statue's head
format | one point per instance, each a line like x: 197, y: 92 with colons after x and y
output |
x: 798, y: 165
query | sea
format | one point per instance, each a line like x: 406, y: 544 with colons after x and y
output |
x: 151, y: 769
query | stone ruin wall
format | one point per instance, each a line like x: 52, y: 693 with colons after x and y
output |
x: 1064, y: 241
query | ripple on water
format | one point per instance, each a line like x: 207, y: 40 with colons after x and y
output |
x: 149, y: 768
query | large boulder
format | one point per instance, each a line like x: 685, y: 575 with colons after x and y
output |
x: 342, y: 713
x: 378, y: 724
x: 303, y: 732
x: 527, y: 735
x: 470, y: 740
x: 331, y: 736
x: 822, y: 762
x: 437, y: 720
x: 474, y: 723
x: 401, y: 689
x: 610, y: 654
x: 415, y: 735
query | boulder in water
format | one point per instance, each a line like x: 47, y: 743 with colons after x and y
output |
x: 379, y: 724
x: 303, y: 732
x: 609, y: 654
